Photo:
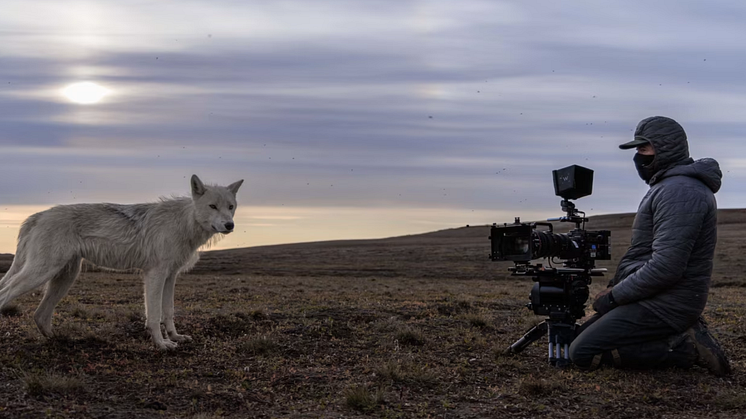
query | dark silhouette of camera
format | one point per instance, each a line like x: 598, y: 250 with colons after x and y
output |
x: 559, y: 292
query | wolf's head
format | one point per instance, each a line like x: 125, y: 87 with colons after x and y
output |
x: 215, y: 205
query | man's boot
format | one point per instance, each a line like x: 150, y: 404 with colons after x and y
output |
x: 710, y: 354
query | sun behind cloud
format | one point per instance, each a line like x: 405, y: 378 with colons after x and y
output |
x: 85, y: 93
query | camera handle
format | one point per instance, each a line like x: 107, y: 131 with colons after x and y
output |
x: 561, y: 335
x: 573, y: 214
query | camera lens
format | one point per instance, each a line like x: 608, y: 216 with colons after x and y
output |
x: 547, y: 244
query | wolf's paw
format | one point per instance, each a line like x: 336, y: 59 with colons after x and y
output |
x: 47, y: 332
x: 46, y: 329
x: 180, y: 338
x: 166, y: 345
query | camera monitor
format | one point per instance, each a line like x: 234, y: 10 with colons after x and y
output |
x: 573, y: 182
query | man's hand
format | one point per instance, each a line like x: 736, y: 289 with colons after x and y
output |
x: 604, y: 301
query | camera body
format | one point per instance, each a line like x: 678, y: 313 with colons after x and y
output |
x: 522, y: 242
x: 559, y: 292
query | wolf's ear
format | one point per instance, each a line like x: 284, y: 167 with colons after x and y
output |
x: 233, y: 187
x: 198, y: 188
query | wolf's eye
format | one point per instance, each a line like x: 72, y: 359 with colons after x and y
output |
x: 213, y: 207
x: 230, y: 207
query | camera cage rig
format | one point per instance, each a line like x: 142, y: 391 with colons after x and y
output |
x: 558, y: 292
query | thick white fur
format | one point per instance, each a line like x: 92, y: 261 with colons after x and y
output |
x: 160, y: 238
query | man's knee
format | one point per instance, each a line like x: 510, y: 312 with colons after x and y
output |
x: 584, y: 357
x: 590, y: 358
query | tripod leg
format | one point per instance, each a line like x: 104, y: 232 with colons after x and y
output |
x: 533, y: 334
x: 561, y: 336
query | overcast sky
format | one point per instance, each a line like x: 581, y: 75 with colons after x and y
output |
x: 357, y: 119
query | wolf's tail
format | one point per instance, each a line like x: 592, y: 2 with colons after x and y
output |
x: 23, y: 242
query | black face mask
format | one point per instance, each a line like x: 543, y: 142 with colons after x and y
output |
x: 644, y: 166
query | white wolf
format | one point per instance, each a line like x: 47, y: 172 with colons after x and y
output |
x: 161, y: 239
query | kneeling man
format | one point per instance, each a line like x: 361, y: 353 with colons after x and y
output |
x: 650, y: 315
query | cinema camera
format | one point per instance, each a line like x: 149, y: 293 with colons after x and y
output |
x: 559, y: 292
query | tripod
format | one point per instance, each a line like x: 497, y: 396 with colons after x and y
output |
x: 561, y: 335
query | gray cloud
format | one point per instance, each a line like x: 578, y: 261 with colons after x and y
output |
x: 401, y: 105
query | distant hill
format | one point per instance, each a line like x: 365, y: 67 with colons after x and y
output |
x: 456, y: 252
x: 452, y: 253
x: 614, y: 222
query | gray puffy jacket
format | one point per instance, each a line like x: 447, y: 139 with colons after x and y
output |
x: 668, y: 266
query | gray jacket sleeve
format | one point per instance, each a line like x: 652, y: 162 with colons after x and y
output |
x: 678, y: 215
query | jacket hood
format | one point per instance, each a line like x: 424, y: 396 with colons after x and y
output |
x: 668, y: 139
x: 705, y: 170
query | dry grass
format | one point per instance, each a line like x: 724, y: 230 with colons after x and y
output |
x: 257, y: 346
x: 362, y: 398
x: 406, y: 373
x: 409, y: 336
x: 10, y: 311
x: 414, y: 328
x: 47, y: 383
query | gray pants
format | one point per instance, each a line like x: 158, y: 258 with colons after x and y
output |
x: 632, y: 337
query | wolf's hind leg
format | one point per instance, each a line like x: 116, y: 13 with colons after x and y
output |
x: 168, y: 311
x: 56, y: 289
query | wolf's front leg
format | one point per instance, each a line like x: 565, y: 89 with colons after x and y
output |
x: 168, y: 311
x: 155, y: 280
